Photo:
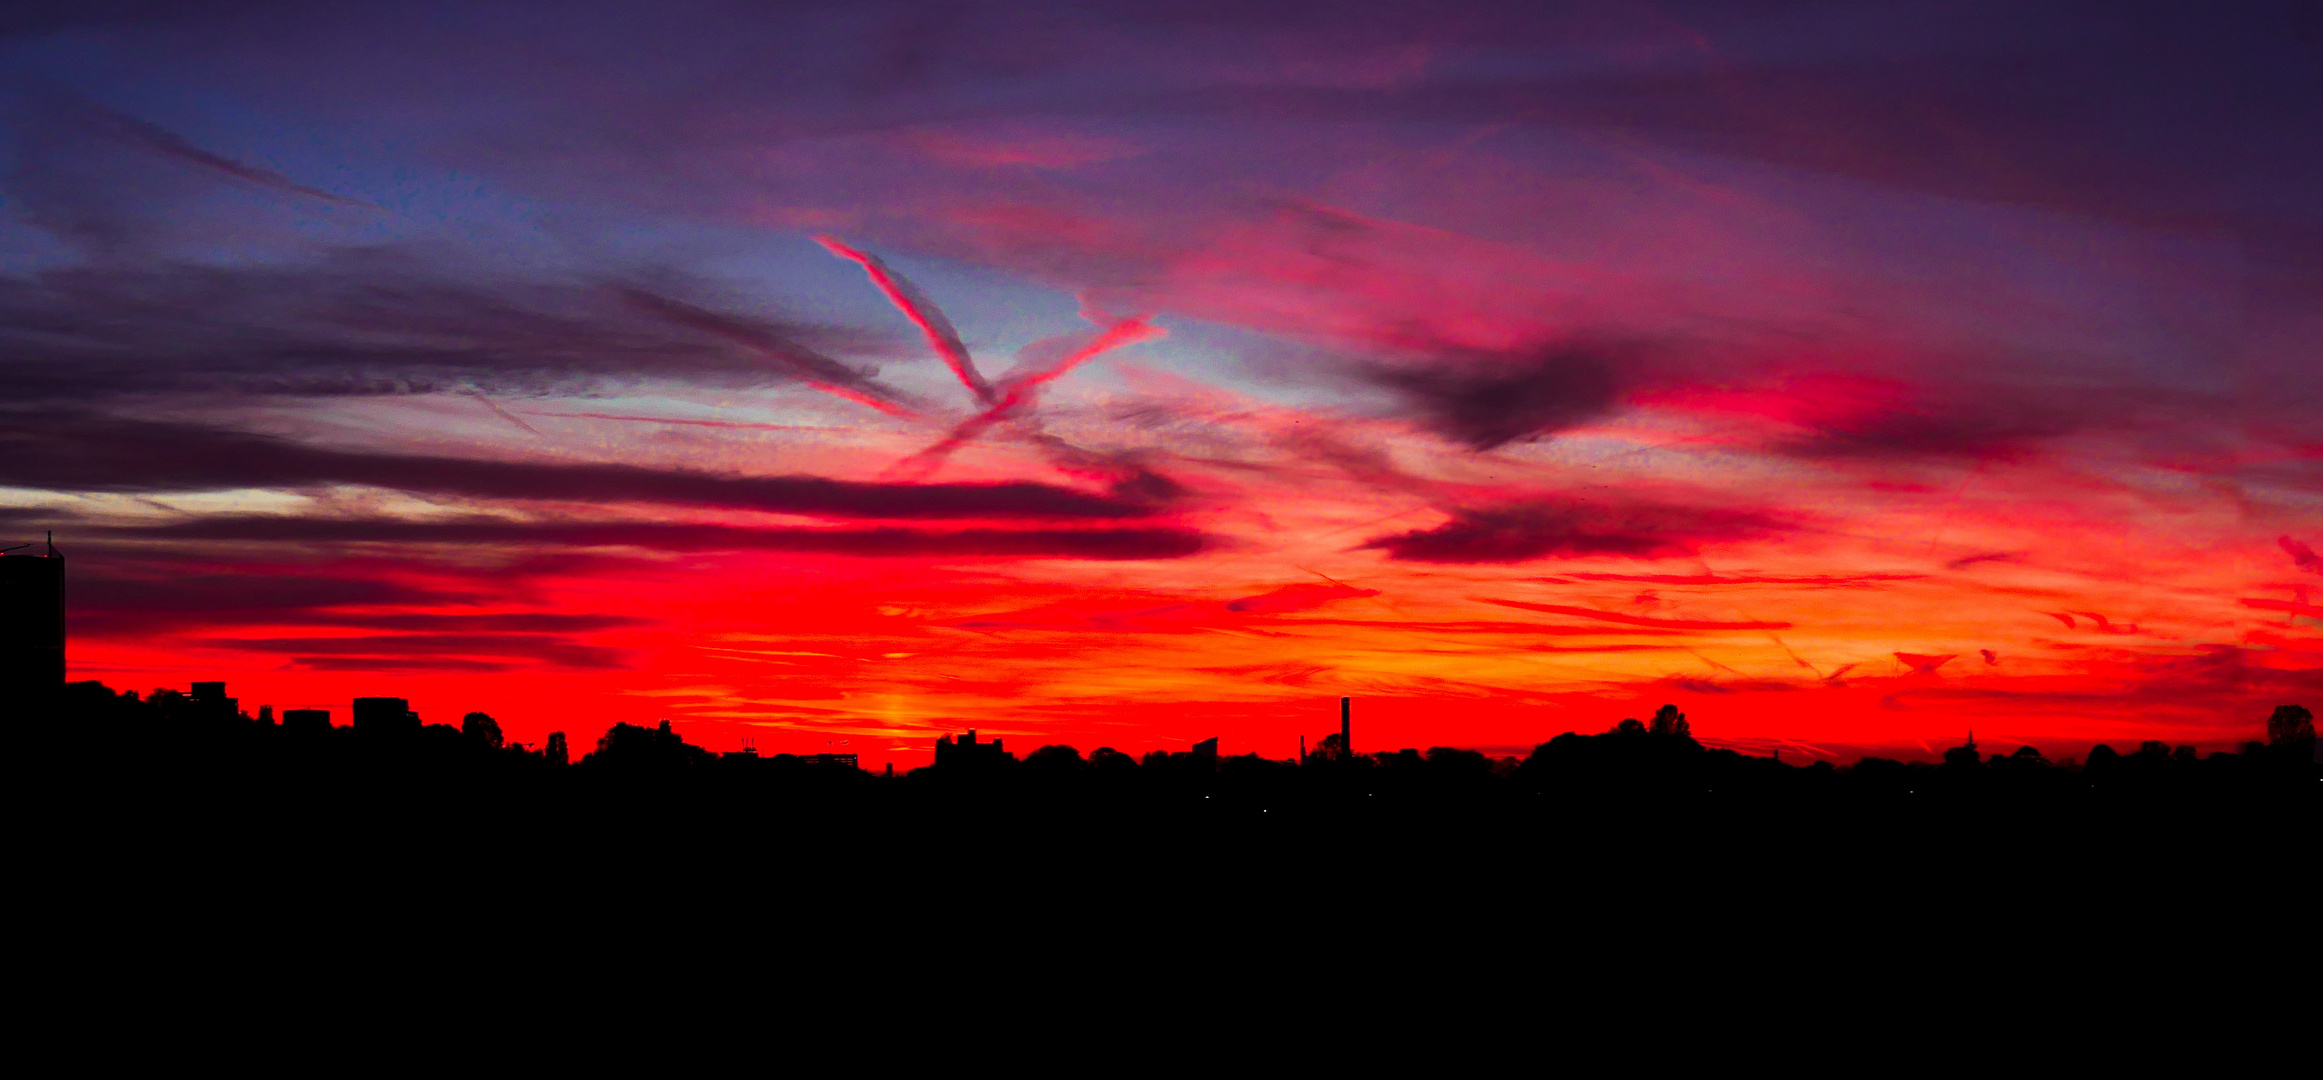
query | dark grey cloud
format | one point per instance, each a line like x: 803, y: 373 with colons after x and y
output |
x: 1574, y: 528
x: 867, y: 542
x: 549, y: 649
x: 1998, y: 427
x: 86, y: 452
x: 110, y: 598
x: 1488, y: 401
x: 114, y: 597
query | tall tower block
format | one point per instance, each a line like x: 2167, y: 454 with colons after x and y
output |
x: 1346, y: 732
x: 32, y: 628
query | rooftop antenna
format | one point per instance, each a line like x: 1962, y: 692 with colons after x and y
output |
x: 52, y: 543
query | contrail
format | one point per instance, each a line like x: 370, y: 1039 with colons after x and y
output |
x: 161, y: 140
x: 922, y: 312
x: 1795, y: 657
x: 1121, y: 332
x: 505, y: 414
x: 1019, y: 389
x: 808, y: 366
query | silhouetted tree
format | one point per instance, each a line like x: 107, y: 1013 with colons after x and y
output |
x: 1669, y: 721
x: 481, y: 728
x: 2290, y: 724
x: 555, y: 751
x: 1107, y: 761
x: 1630, y: 726
x: 1055, y: 763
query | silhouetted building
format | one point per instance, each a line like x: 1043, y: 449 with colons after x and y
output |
x: 967, y: 752
x: 32, y: 627
x: 1346, y: 726
x: 1207, y: 748
x: 306, y: 719
x: 211, y: 703
x: 384, y: 714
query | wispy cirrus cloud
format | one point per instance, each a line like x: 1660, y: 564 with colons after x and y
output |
x: 371, y: 322
x: 1640, y: 620
x: 1818, y: 581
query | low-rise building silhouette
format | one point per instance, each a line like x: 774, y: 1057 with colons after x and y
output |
x: 211, y: 703
x: 385, y: 715
x: 306, y: 719
x: 966, y: 752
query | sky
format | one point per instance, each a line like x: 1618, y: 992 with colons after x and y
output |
x: 834, y: 376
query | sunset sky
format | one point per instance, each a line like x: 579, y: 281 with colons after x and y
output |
x: 838, y: 375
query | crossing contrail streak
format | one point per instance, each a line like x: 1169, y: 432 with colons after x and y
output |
x: 922, y: 312
x: 1018, y: 388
